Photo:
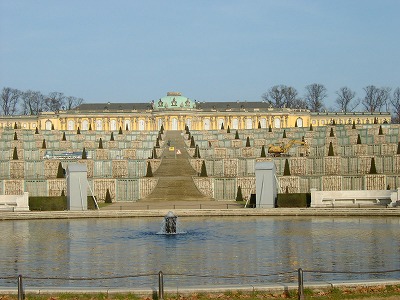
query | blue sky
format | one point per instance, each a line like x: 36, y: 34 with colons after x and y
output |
x: 137, y: 51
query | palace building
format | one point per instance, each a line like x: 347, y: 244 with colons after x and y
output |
x: 175, y: 112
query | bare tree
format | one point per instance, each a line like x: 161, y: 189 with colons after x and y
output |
x: 275, y: 96
x: 9, y: 100
x: 315, y: 95
x: 396, y: 105
x: 54, y: 102
x: 72, y: 102
x: 33, y: 102
x: 375, y: 98
x: 345, y: 98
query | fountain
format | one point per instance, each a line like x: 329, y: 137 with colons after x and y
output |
x: 170, y: 223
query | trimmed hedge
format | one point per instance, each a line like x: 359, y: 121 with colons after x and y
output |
x: 294, y: 200
x: 57, y: 203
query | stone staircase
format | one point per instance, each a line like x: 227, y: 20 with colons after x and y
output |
x: 175, y: 174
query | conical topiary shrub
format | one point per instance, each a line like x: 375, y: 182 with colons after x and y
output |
x: 248, y: 142
x: 36, y: 130
x: 154, y: 154
x: 330, y: 151
x: 331, y: 134
x: 192, y: 143
x: 162, y: 129
x: 112, y: 136
x: 15, y: 136
x: 160, y: 136
x: 295, y: 124
x: 286, y: 171
x: 52, y: 126
x: 354, y: 125
x: 222, y: 126
x: 187, y: 129
x: 60, y: 171
x: 15, y: 125
x: 64, y: 138
x: 263, y: 151
x: 62, y: 193
x: 44, y: 144
x: 284, y: 133
x: 189, y: 136
x: 311, y: 127
x: 90, y: 127
x: 78, y: 131
x: 237, y: 135
x: 358, y: 139
x: 100, y: 143
x: 149, y: 171
x: 108, y: 197
x: 398, y: 148
x: 372, y: 170
x: 84, y: 154
x: 239, y: 195
x: 157, y: 143
x: 259, y: 125
x: 15, y: 154
x: 269, y: 128
x: 126, y: 127
x: 120, y: 130
x: 203, y: 172
x: 228, y: 130
x: 380, y: 130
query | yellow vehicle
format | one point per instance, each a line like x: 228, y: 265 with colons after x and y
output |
x: 283, y: 149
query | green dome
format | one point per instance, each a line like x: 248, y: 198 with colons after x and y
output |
x: 173, y: 101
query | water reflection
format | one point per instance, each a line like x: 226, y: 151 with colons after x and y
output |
x: 272, y: 247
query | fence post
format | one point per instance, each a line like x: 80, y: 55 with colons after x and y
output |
x: 300, y: 293
x: 20, y: 288
x: 160, y: 286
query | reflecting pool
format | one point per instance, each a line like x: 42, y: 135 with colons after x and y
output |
x: 223, y: 250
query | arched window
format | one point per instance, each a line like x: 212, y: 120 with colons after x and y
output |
x: 127, y: 124
x: 299, y: 122
x: 85, y: 125
x: 220, y: 122
x: 206, y: 124
x: 113, y: 125
x: 99, y: 125
x: 189, y: 123
x: 71, y: 125
x: 235, y: 123
x: 277, y: 123
x: 263, y: 122
x: 249, y: 123
x: 142, y: 125
x: 174, y: 123
x: 48, y: 125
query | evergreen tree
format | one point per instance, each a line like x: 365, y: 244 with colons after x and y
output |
x: 157, y: 143
x: 100, y: 143
x: 36, y: 130
x: 78, y: 131
x: 259, y: 125
x: 372, y: 170
x: 358, y: 139
x: 15, y: 125
x: 263, y: 151
x: 162, y: 129
x: 90, y: 127
x: 222, y: 126
x: 196, y: 151
x: 354, y: 125
x: 189, y: 136
x: 44, y: 144
x: 160, y: 136
x: 239, y: 195
x: 60, y: 171
x: 286, y: 171
x: 15, y: 136
x: 269, y: 128
x: 187, y: 129
x: 149, y: 172
x: 192, y: 143
x: 398, y: 148
x: 331, y: 134
x: 84, y: 155
x: 62, y: 193
x: 64, y: 138
x: 15, y: 154
x: 237, y: 135
x: 311, y: 127
x: 380, y: 130
x: 112, y: 136
x: 228, y: 130
x: 52, y: 126
x: 284, y: 133
x: 126, y: 127
x: 120, y: 130
x: 108, y: 197
x: 248, y: 142
x: 203, y: 172
x: 330, y: 151
x: 154, y: 154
